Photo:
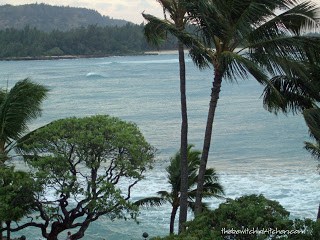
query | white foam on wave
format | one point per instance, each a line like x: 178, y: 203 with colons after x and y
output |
x: 164, y: 61
x: 289, y: 189
x: 105, y: 63
x: 94, y: 75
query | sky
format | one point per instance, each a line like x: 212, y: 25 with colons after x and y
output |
x: 129, y: 10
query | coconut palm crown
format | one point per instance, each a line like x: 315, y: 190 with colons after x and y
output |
x: 212, y: 187
x: 18, y: 106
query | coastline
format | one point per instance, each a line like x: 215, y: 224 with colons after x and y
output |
x: 29, y: 58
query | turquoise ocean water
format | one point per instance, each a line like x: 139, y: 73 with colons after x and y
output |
x: 253, y: 150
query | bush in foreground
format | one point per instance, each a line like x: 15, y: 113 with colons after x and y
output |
x: 252, y: 217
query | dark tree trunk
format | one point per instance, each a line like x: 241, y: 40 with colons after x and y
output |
x: 215, y: 92
x: 184, y: 142
x: 318, y: 216
x: 2, y: 160
x: 8, y: 230
x: 52, y: 236
x: 81, y: 231
x: 172, y: 218
x: 56, y: 229
x: 1, y: 225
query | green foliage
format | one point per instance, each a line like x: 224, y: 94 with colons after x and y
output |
x: 47, y: 18
x: 212, y: 186
x: 248, y: 212
x: 16, y: 194
x: 18, y: 106
x: 251, y: 38
x: 93, y: 161
x: 56, y: 51
x: 312, y: 118
x: 310, y: 229
x: 91, y: 40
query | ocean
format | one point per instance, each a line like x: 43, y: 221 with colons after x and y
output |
x: 253, y: 151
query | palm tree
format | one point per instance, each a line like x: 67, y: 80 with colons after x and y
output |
x: 242, y: 38
x: 312, y: 118
x: 212, y: 187
x: 294, y: 94
x: 18, y: 107
x: 156, y: 34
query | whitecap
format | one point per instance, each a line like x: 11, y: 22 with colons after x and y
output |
x: 94, y: 75
x: 164, y: 61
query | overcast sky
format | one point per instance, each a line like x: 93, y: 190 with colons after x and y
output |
x: 122, y: 9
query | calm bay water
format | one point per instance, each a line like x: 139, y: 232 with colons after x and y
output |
x: 254, y: 151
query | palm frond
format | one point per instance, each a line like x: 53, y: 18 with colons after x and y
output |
x: 314, y: 149
x: 300, y: 17
x: 289, y: 22
x: 213, y: 189
x: 292, y: 94
x: 3, y: 94
x: 284, y: 54
x: 210, y: 190
x: 205, y: 206
x: 155, y: 30
x: 20, y: 105
x: 150, y: 202
x: 249, y: 15
x: 277, y: 43
x: 176, y: 10
x: 215, y: 24
x: 165, y: 194
x: 240, y: 66
x: 312, y: 118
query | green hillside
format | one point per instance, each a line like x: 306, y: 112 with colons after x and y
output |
x: 47, y: 18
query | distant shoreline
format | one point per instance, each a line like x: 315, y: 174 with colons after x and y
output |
x: 74, y: 56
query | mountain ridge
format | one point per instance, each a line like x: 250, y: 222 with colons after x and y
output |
x: 49, y: 17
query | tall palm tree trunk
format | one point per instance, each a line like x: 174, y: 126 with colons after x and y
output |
x: 215, y: 92
x: 2, y: 160
x: 173, y: 217
x: 184, y: 141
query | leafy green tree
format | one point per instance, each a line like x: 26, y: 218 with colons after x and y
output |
x: 91, y: 164
x: 242, y: 38
x: 255, y: 212
x: 310, y: 230
x: 17, y: 190
x: 212, y: 186
x: 248, y: 213
x: 177, y: 11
